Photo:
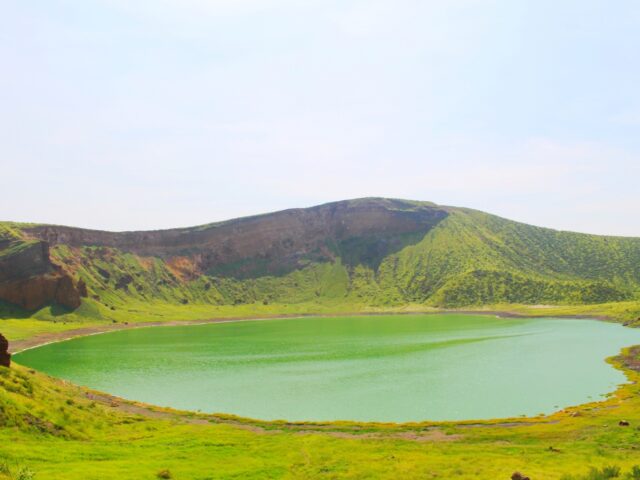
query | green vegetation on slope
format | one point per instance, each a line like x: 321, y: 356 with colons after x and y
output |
x: 472, y: 258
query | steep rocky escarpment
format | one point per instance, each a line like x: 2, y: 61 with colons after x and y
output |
x: 37, y: 291
x: 29, y: 279
x: 188, y: 264
x: 20, y: 260
x: 361, y: 231
x: 5, y: 356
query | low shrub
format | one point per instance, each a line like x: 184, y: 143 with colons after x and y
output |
x: 605, y: 473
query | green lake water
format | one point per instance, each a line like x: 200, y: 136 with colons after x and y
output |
x: 368, y: 368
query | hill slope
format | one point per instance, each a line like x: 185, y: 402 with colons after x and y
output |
x: 365, y: 252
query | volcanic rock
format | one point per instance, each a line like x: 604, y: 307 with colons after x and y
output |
x: 273, y: 243
x: 35, y: 292
x: 82, y: 288
x: 5, y: 356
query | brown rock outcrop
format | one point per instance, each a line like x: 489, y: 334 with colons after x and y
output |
x: 35, y: 292
x: 30, y: 280
x: 28, y: 260
x: 5, y: 356
x: 82, y: 288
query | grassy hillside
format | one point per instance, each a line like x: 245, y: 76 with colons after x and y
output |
x: 472, y: 258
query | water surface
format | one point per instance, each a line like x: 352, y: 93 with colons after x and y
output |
x: 370, y: 368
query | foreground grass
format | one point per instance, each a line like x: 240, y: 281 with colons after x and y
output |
x: 50, y: 428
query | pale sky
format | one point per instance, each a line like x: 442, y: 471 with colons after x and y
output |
x: 124, y: 114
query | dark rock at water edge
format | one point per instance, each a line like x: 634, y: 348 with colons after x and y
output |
x: 5, y: 356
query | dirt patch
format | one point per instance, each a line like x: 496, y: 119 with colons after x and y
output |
x: 430, y: 434
x: 148, y: 411
x: 507, y: 424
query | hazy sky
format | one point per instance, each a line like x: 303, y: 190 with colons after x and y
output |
x: 124, y: 114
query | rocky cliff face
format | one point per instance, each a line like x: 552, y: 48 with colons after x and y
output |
x: 5, y: 356
x: 358, y: 231
x: 30, y: 279
x: 271, y: 243
x: 22, y: 261
x: 34, y: 292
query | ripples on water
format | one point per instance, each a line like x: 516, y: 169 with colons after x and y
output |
x: 370, y: 368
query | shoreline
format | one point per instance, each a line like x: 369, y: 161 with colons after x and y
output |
x: 18, y: 346
x: 152, y: 410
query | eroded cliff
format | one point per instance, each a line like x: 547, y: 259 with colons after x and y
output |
x: 358, y: 232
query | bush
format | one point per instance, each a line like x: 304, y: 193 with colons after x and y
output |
x: 605, y: 473
x: 24, y: 473
x: 634, y: 474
